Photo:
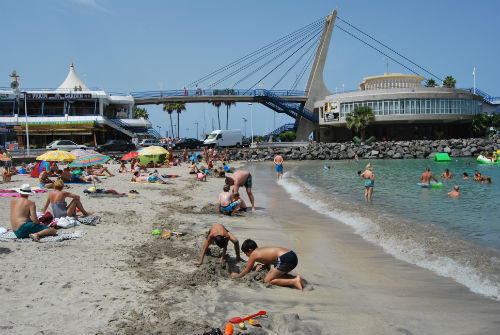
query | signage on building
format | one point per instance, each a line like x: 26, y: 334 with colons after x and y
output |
x: 332, y: 107
x: 58, y: 96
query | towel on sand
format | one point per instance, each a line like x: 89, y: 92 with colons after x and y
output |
x: 61, y: 236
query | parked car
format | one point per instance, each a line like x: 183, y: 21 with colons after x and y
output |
x: 116, y: 145
x: 65, y: 145
x: 225, y: 138
x: 190, y: 143
x: 150, y: 142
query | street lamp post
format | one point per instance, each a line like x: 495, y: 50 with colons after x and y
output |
x: 251, y: 121
x: 245, y: 120
x: 196, y: 123
x: 159, y: 130
x: 474, y: 77
x: 15, y: 86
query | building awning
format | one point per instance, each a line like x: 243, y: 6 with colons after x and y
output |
x: 59, y: 127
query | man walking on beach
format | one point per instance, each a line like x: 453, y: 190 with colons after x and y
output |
x: 278, y: 160
x: 23, y: 217
x: 427, y: 176
x: 242, y: 178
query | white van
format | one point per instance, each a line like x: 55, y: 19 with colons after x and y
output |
x: 225, y: 138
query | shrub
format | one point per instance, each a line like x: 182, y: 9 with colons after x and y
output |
x: 288, y: 136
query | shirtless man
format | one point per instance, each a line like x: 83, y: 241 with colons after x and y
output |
x: 226, y: 203
x: 454, y: 193
x: 426, y: 177
x: 58, y: 201
x: 284, y: 260
x: 23, y: 217
x: 278, y: 160
x: 447, y: 174
x: 242, y: 178
x: 45, y: 181
x: 219, y: 235
x: 478, y: 176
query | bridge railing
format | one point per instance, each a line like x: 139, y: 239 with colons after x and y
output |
x: 212, y: 92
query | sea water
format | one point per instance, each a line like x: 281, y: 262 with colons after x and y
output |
x: 457, y: 238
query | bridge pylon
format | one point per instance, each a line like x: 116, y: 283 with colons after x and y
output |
x: 316, y: 87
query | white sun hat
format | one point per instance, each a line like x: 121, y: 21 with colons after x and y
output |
x: 25, y: 189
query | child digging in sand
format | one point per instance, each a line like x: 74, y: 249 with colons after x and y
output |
x: 219, y: 235
x: 284, y: 261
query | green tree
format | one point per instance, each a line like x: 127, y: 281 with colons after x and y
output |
x: 359, y: 119
x: 217, y: 104
x: 140, y: 112
x: 480, y: 124
x: 169, y: 108
x: 179, y: 107
x: 430, y: 83
x: 288, y: 136
x: 449, y: 81
x: 228, y: 106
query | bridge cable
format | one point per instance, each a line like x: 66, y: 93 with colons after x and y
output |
x: 371, y: 46
x: 244, y: 67
x: 282, y: 62
x: 397, y: 53
x: 252, y: 62
x: 280, y: 40
x: 307, y: 65
x: 296, y: 62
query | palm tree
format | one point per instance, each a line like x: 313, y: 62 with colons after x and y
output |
x: 359, y: 119
x: 449, y: 81
x: 228, y: 106
x: 140, y: 112
x: 179, y: 107
x: 430, y: 83
x: 217, y: 104
x: 169, y: 108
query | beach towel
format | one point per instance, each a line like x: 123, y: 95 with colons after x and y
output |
x: 12, y: 193
x: 170, y: 175
x: 107, y: 195
x: 91, y: 220
x: 61, y: 236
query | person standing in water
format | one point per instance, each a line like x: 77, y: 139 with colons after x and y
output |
x: 278, y: 160
x: 369, y: 178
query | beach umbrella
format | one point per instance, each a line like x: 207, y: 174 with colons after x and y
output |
x: 82, y: 152
x: 4, y: 158
x: 130, y: 155
x: 154, y: 151
x: 89, y: 160
x: 56, y: 156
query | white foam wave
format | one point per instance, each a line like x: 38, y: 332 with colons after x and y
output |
x: 406, y: 250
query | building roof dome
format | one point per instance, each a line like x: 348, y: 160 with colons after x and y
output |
x: 73, y: 81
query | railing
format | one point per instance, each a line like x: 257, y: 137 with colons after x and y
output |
x: 283, y: 128
x: 154, y: 133
x: 276, y: 103
x: 212, y: 92
x: 486, y: 97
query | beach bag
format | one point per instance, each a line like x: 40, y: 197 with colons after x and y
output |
x: 91, y: 220
x: 66, y: 222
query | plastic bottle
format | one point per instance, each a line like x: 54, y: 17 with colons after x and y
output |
x: 229, y: 329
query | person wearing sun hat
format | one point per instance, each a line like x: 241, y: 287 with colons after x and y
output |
x: 23, y: 217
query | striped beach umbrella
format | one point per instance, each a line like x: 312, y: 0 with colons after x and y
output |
x: 4, y: 158
x: 82, y: 152
x: 56, y: 156
x: 89, y: 160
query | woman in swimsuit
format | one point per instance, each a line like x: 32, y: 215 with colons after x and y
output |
x: 58, y: 201
x: 369, y: 181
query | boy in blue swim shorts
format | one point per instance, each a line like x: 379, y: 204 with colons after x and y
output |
x: 283, y: 259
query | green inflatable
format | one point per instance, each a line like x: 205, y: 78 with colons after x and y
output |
x: 442, y: 157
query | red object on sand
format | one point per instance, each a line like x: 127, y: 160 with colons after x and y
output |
x: 130, y: 155
x: 238, y: 319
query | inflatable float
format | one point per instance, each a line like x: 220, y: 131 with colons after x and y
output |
x: 483, y: 159
x: 431, y: 185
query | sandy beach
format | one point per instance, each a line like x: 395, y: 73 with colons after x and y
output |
x: 120, y: 279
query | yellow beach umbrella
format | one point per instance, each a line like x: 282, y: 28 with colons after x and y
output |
x: 56, y: 156
x: 4, y: 158
x: 153, y: 150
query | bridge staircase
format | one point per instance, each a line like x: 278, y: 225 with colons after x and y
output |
x: 283, y: 128
x: 279, y: 105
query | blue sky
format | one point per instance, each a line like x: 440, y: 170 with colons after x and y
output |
x: 124, y: 46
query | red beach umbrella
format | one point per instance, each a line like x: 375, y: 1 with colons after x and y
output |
x: 130, y: 155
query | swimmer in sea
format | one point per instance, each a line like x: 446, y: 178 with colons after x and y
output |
x: 454, y: 193
x: 426, y: 177
x: 369, y: 181
x: 447, y: 174
x: 465, y: 176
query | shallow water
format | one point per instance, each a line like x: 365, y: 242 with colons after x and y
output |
x: 458, y: 238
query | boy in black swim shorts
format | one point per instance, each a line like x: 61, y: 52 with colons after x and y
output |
x: 284, y: 260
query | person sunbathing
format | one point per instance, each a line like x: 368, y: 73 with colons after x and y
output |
x: 58, y: 201
x: 45, y: 181
x: 100, y: 190
x: 99, y: 171
x: 154, y: 177
x: 77, y: 178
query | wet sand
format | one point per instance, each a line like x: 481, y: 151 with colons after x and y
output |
x: 119, y: 278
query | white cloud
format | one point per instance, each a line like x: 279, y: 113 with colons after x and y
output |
x: 92, y: 4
